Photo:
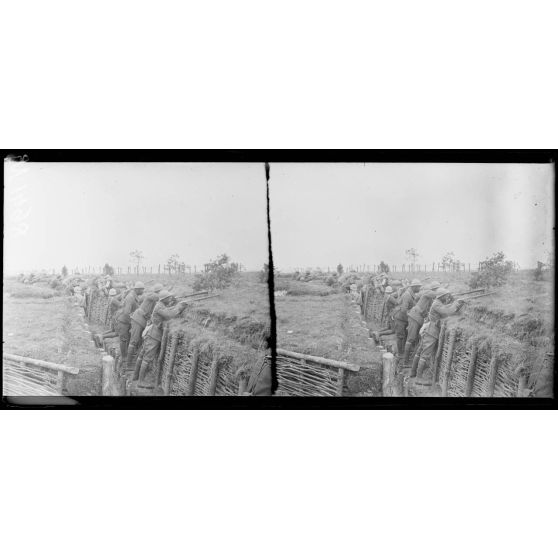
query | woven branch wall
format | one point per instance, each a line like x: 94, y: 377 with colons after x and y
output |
x: 97, y: 306
x: 373, y: 306
x: 303, y: 378
x: 491, y: 374
x: 190, y: 369
x: 21, y: 378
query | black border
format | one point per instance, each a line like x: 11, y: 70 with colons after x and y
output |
x: 529, y: 156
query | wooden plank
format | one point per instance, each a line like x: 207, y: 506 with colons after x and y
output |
x: 213, y: 375
x: 320, y: 360
x: 471, y: 370
x: 193, y: 372
x: 340, y: 380
x: 493, y: 374
x: 41, y: 363
x: 438, y: 358
x: 447, y: 370
x: 172, y: 358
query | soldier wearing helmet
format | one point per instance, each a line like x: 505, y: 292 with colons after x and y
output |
x: 162, y: 312
x: 406, y: 302
x: 416, y: 317
x: 442, y: 307
x: 391, y: 301
x: 139, y: 320
x: 123, y: 319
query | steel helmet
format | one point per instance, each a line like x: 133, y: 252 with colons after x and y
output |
x: 442, y: 292
x: 434, y: 285
x: 164, y: 294
x: 157, y: 287
x: 389, y: 290
x: 416, y: 283
x: 112, y: 292
x: 139, y: 285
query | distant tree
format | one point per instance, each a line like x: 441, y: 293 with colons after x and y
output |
x: 174, y: 263
x: 339, y: 269
x: 64, y: 271
x: 449, y: 260
x: 137, y: 256
x: 412, y: 254
x: 384, y: 268
x: 108, y: 269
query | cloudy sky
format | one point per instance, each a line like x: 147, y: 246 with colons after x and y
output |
x: 87, y: 214
x: 322, y: 214
x: 325, y: 214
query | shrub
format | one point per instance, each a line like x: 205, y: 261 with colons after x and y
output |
x: 339, y: 269
x: 64, y: 271
x: 494, y: 272
x: 108, y: 270
x: 218, y: 275
x: 384, y: 267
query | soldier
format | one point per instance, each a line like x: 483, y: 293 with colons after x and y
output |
x: 139, y: 321
x: 416, y: 317
x: 123, y: 319
x: 442, y: 307
x: 259, y: 384
x: 390, y: 303
x: 406, y: 302
x: 152, y: 343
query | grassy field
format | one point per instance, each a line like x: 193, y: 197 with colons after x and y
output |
x: 43, y: 325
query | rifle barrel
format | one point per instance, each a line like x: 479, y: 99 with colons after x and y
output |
x: 469, y: 292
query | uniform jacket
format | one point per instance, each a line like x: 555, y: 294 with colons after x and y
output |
x: 131, y: 303
x: 405, y: 304
x: 390, y: 302
x: 161, y: 314
x: 420, y: 310
x: 438, y: 312
x: 143, y: 313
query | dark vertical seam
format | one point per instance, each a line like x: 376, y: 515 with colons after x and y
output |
x: 272, y: 339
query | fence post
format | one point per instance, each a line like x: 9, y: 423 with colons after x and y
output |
x: 172, y: 357
x: 213, y: 375
x: 447, y: 370
x: 469, y: 268
x: 489, y: 392
x: 340, y: 380
x: 159, y: 269
x: 193, y: 372
x: 471, y: 371
x: 441, y: 341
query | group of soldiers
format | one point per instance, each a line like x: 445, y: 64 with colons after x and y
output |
x: 413, y: 311
x: 137, y: 316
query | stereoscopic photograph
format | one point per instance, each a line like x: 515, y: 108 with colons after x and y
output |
x: 135, y: 279
x: 284, y: 279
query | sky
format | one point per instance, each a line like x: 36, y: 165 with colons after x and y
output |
x: 89, y: 214
x: 361, y: 214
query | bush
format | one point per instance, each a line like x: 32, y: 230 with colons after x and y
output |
x: 494, y: 272
x: 339, y: 269
x: 219, y: 274
x: 384, y: 268
x: 108, y: 270
x: 64, y: 271
x: 331, y: 281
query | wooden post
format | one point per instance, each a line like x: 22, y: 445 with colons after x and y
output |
x: 60, y: 381
x: 441, y: 340
x: 193, y: 372
x: 471, y: 371
x: 162, y: 350
x: 447, y: 370
x: 388, y: 371
x: 213, y: 375
x: 340, y: 381
x: 522, y: 384
x: 469, y: 268
x: 493, y: 374
x: 108, y: 371
x: 172, y: 357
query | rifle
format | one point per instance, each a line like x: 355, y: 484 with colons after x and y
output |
x: 181, y: 297
x: 469, y: 292
x: 201, y: 298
